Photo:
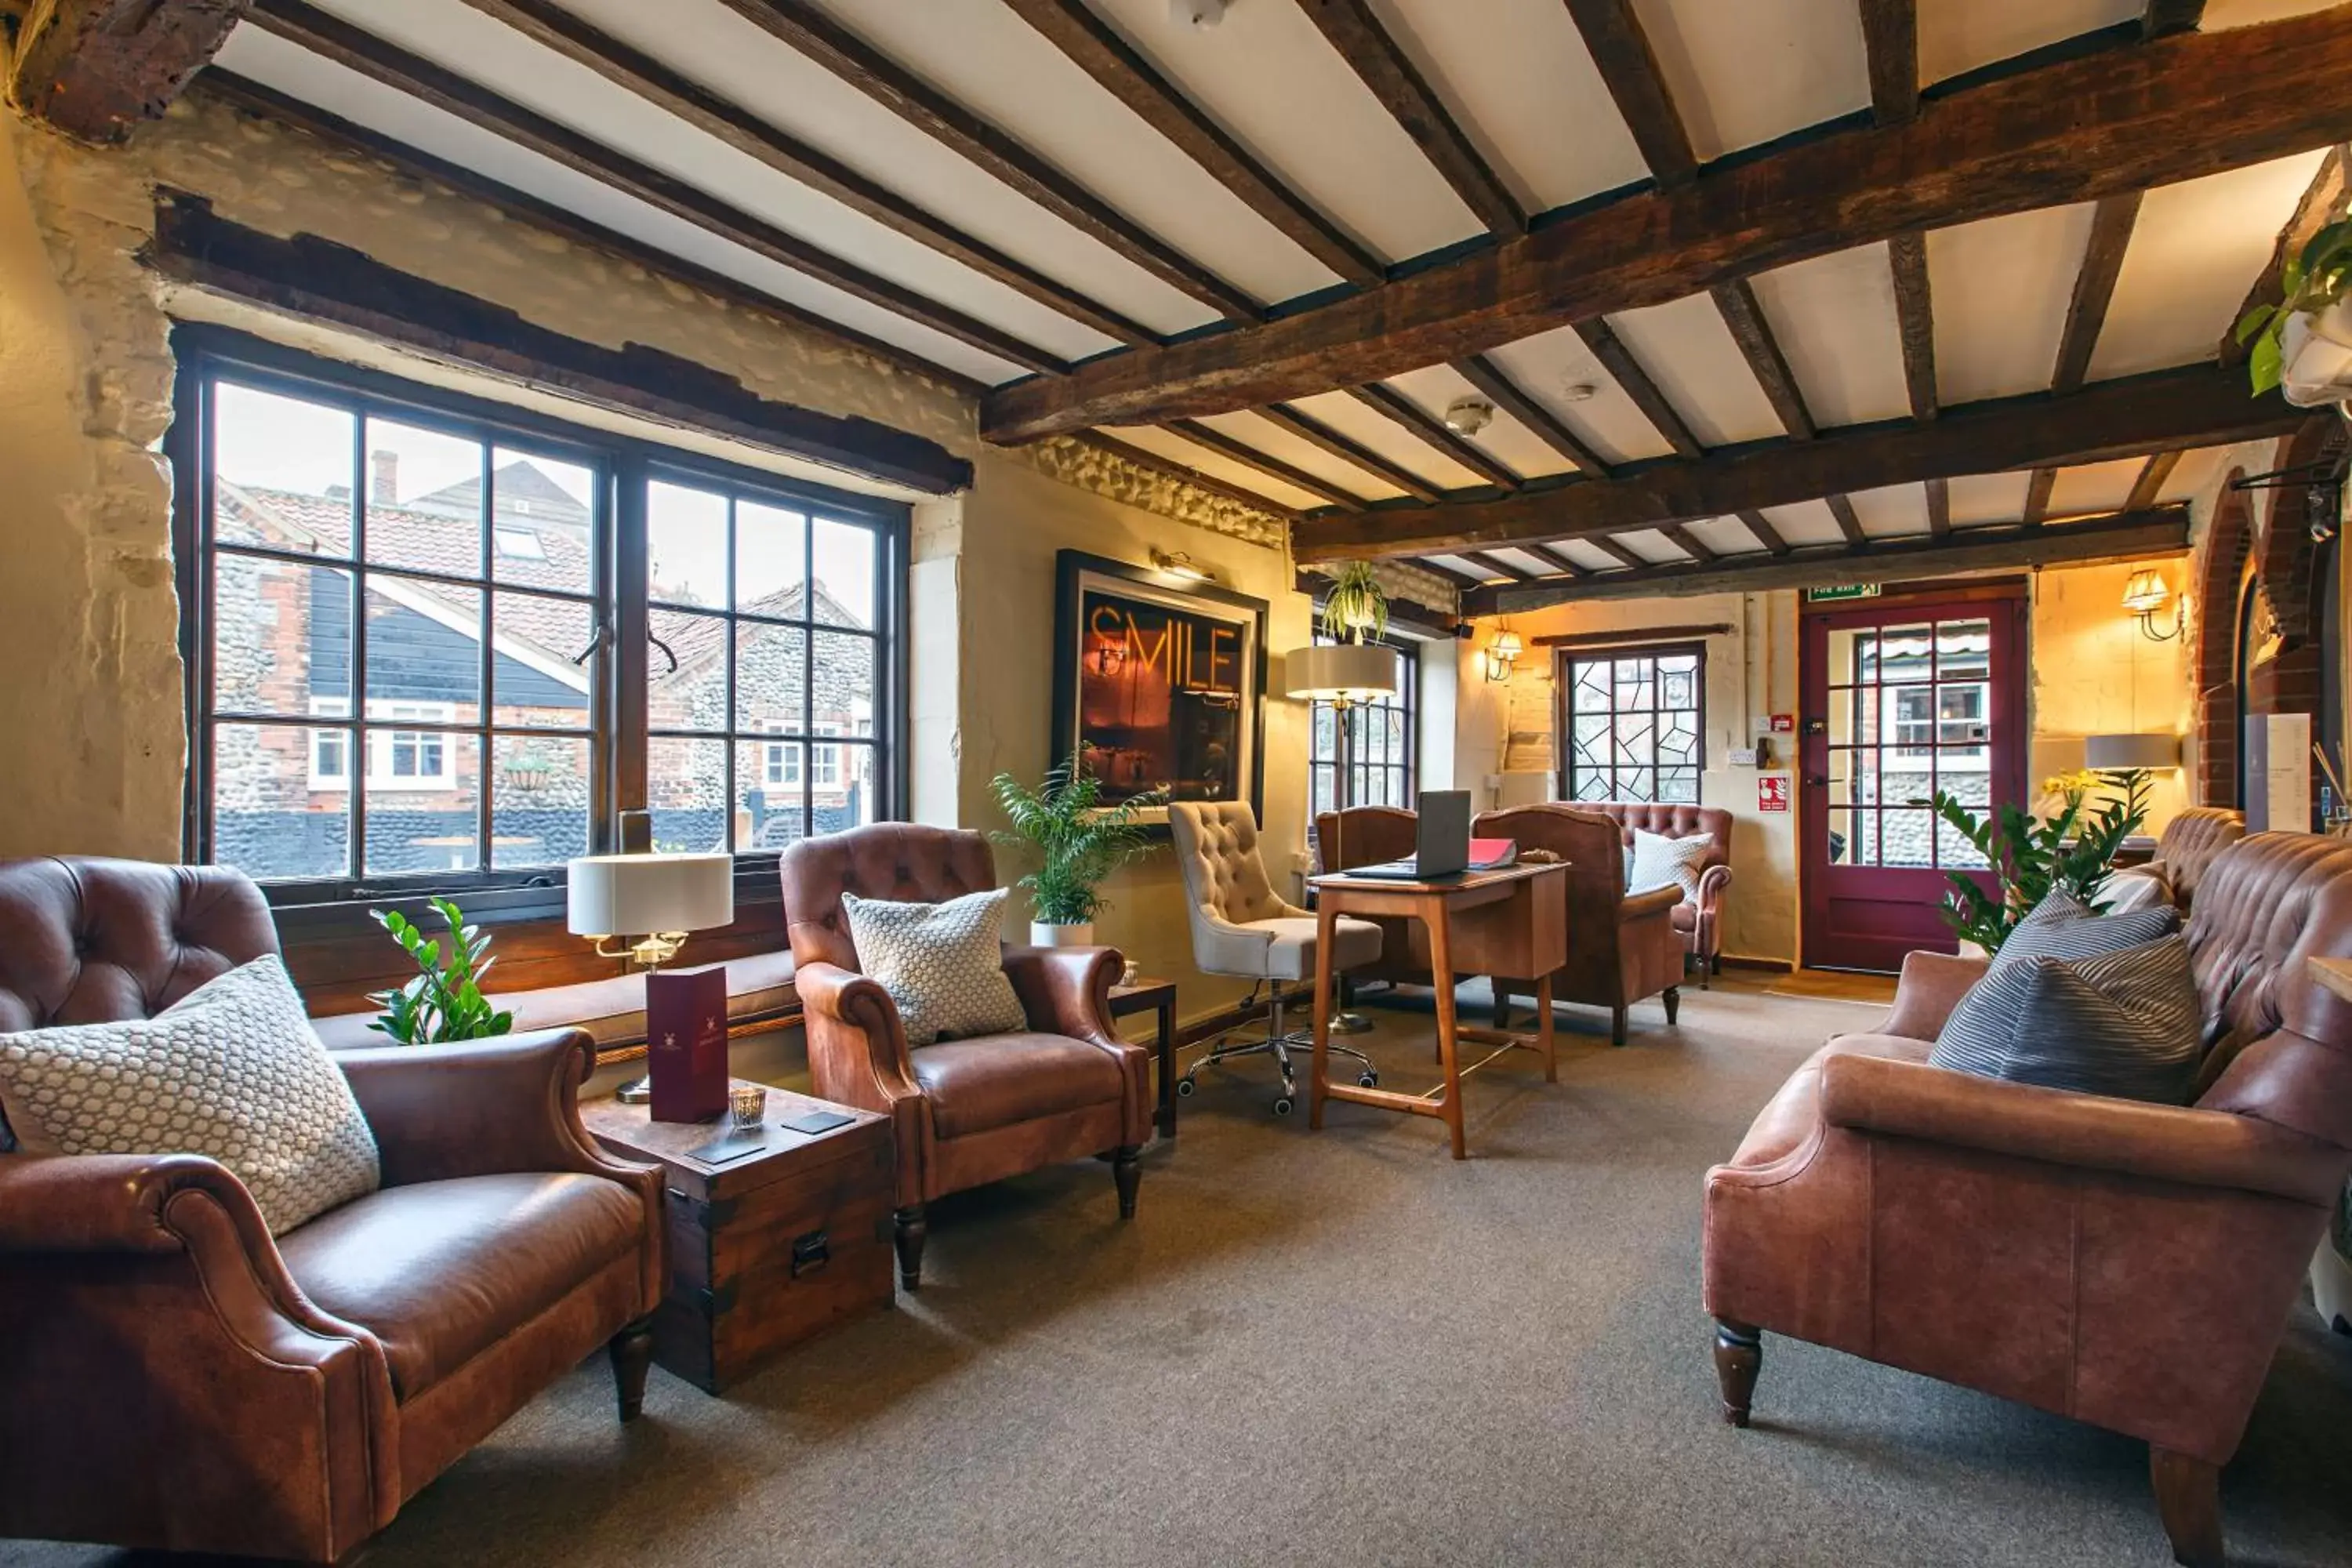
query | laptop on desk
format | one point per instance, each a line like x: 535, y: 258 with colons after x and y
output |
x: 1442, y: 847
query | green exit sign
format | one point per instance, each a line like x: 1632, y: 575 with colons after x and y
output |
x: 1843, y: 591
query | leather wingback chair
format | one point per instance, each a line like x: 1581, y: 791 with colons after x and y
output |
x: 1369, y: 835
x: 178, y: 1379
x: 971, y: 1112
x: 2190, y: 843
x: 1620, y: 949
x: 2124, y: 1264
x: 1699, y: 921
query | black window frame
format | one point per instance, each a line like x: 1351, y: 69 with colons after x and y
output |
x: 1343, y: 763
x: 1564, y: 714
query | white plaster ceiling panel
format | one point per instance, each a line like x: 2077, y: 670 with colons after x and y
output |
x: 1517, y: 447
x: 1807, y: 522
x: 1268, y: 76
x: 1526, y: 561
x: 1688, y: 351
x: 2190, y: 475
x: 1368, y: 427
x: 2223, y: 13
x: 1835, y: 320
x: 1469, y: 568
x: 1957, y: 35
x: 1256, y: 430
x: 1177, y: 449
x: 1517, y: 77
x: 2091, y: 489
x: 2198, y: 248
x: 1725, y: 536
x: 1546, y: 366
x: 1892, y: 511
x: 2000, y: 290
x: 1983, y: 498
x: 1651, y: 545
x: 298, y: 74
x: 1745, y: 71
x: 720, y: 50
x: 1590, y: 556
x: 988, y: 60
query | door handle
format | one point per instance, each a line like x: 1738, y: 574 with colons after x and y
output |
x: 1815, y: 781
x: 1814, y: 727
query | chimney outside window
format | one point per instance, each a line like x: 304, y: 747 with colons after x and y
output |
x: 383, y: 478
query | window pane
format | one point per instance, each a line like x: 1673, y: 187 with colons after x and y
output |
x: 542, y: 522
x: 538, y: 800
x: 686, y: 786
x: 1323, y: 785
x: 694, y: 695
x: 1840, y: 844
x: 1905, y: 838
x: 841, y: 787
x: 423, y: 500
x: 842, y: 699
x: 769, y: 792
x: 269, y: 818
x: 533, y: 678
x: 685, y: 546
x: 844, y: 573
x: 770, y: 664
x: 281, y: 636
x: 770, y: 555
x: 1327, y: 733
x: 281, y: 472
x: 425, y: 649
x: 424, y: 800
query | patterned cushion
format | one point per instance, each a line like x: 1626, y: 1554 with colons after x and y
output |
x: 232, y: 1070
x: 2122, y: 1023
x: 2060, y: 927
x: 943, y: 965
x: 1658, y: 861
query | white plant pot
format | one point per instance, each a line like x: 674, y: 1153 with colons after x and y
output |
x: 2331, y: 1286
x: 1043, y: 935
x: 2316, y: 350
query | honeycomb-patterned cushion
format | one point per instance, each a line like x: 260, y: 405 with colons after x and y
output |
x: 232, y: 1070
x: 943, y: 965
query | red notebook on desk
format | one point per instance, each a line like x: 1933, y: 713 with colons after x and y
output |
x: 1493, y: 854
x: 685, y: 1044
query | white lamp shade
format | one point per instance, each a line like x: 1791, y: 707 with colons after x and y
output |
x: 1341, y: 672
x: 2105, y: 752
x: 636, y: 895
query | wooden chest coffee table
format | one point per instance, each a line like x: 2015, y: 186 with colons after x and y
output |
x: 768, y: 1249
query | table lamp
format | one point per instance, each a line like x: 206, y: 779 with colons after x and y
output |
x: 650, y: 902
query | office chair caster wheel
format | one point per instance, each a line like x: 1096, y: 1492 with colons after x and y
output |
x: 1368, y: 1078
x: 1282, y: 1105
x: 1185, y: 1088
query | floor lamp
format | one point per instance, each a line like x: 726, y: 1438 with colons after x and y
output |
x: 1342, y: 674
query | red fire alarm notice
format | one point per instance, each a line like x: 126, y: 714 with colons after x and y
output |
x: 1784, y: 724
x: 1771, y: 791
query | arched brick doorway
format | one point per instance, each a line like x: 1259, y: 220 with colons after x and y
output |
x: 2217, y: 599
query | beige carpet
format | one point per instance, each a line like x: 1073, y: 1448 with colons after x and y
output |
x: 1343, y: 1348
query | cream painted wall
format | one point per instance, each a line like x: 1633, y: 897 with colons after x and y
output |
x: 2094, y: 673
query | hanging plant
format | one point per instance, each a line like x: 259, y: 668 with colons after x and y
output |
x: 2311, y: 281
x: 1356, y: 608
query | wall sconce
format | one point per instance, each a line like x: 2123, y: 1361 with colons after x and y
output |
x: 1501, y: 655
x: 2145, y: 595
x: 1178, y: 564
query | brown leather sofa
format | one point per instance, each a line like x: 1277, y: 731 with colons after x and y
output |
x: 177, y: 1379
x: 1369, y: 836
x: 1699, y: 922
x: 2190, y: 843
x: 966, y: 1112
x: 2124, y: 1264
x: 1620, y: 949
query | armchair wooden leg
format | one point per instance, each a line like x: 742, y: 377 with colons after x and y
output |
x: 910, y: 1235
x: 2189, y: 1500
x: 1617, y: 1025
x: 632, y: 1351
x: 1708, y: 968
x: 1127, y: 1170
x: 1673, y: 1000
x: 1739, y: 1357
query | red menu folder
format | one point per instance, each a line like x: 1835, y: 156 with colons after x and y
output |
x: 685, y: 1044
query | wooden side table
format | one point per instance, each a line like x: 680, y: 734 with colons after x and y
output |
x: 768, y: 1249
x: 1156, y: 996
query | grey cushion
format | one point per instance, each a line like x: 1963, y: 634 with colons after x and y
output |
x: 942, y: 963
x: 2122, y: 1023
x: 1659, y: 861
x: 2060, y: 927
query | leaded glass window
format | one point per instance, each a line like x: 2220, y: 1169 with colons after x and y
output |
x: 1631, y: 723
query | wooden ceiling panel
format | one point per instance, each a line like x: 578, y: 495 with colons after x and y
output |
x: 2002, y: 288
x: 2197, y: 249
x: 1526, y: 561
x: 1892, y: 511
x: 1748, y: 72
x: 1835, y: 321
x: 1957, y: 35
x: 1546, y: 366
x: 1369, y: 428
x: 1191, y: 455
x: 2191, y: 474
x: 1511, y: 442
x: 1690, y: 353
x: 1257, y: 431
x: 1807, y: 522
x: 1651, y: 546
x: 1462, y: 567
x: 1586, y: 555
x: 1979, y: 499
x: 2095, y: 488
x: 1725, y: 536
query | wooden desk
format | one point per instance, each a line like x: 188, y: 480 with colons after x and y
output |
x: 1512, y: 921
x: 1158, y: 998
x: 2334, y: 973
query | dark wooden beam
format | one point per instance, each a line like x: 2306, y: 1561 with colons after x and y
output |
x: 1756, y: 524
x: 2037, y: 497
x: 2198, y: 405
x: 2099, y: 124
x: 1745, y: 316
x: 1097, y: 47
x: 333, y: 39
x: 1431, y: 429
x: 1614, y: 550
x: 1643, y: 634
x: 2164, y: 17
x: 1169, y: 469
x: 1568, y: 567
x: 2095, y: 287
x: 95, y: 68
x: 1890, y: 32
x: 2151, y: 481
x: 1499, y: 568
x: 1469, y: 579
x: 636, y: 72
x: 1274, y: 468
x: 1690, y: 543
x: 1939, y: 507
x: 1915, y: 316
x: 2324, y: 201
x: 1352, y: 29
x: 1308, y: 428
x: 2124, y: 536
x: 1634, y: 381
x: 1411, y: 612
x: 809, y: 31
x: 1841, y: 509
x: 317, y: 280
x: 1504, y: 392
x: 1613, y: 36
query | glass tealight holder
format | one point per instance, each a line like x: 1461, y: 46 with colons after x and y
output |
x: 747, y: 1103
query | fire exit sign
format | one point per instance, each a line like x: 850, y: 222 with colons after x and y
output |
x: 1842, y: 591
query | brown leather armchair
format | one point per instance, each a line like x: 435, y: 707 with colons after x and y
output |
x: 176, y: 1377
x: 966, y: 1112
x: 1699, y: 922
x: 1369, y: 836
x: 1619, y: 949
x: 2191, y: 842
x: 2124, y: 1264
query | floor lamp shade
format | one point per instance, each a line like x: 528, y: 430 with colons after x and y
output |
x: 633, y: 895
x: 2106, y: 751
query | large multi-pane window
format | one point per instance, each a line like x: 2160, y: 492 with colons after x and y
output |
x: 1363, y: 754
x: 1632, y: 723
x: 404, y: 640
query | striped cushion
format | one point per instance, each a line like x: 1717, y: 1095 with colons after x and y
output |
x: 2122, y: 1023
x: 2060, y: 927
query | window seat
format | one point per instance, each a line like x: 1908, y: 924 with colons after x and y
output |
x: 612, y: 1011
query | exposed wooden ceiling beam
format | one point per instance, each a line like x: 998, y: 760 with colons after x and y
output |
x: 1640, y: 634
x: 1636, y: 383
x: 2037, y: 497
x: 1471, y: 579
x: 1498, y: 388
x: 1614, y: 550
x: 1939, y: 507
x: 2124, y: 536
x: 1431, y: 429
x: 1499, y: 567
x: 2095, y: 287
x: 1374, y: 55
x: 2324, y: 201
x: 2101, y: 124
x: 1915, y: 317
x: 2163, y: 17
x: 809, y: 31
x: 1316, y: 433
x: 335, y: 39
x: 1756, y: 524
x: 1274, y: 468
x: 636, y: 72
x: 1629, y: 68
x: 1744, y: 314
x: 2151, y: 481
x: 95, y: 68
x: 1690, y: 543
x: 2198, y: 405
x: 1097, y: 47
x: 1169, y: 469
x: 1568, y: 567
x: 1890, y: 32
x: 1841, y: 509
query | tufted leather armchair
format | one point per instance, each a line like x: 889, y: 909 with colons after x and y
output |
x: 2125, y: 1264
x: 2191, y: 842
x: 1622, y: 948
x: 1698, y: 923
x: 179, y: 1379
x: 964, y: 1112
x: 1369, y: 835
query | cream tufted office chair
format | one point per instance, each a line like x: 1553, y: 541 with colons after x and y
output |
x: 1242, y: 927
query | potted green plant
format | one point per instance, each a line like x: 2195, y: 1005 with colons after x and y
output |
x: 1357, y: 607
x: 2067, y: 852
x: 2303, y: 344
x: 1079, y: 842
x: 444, y: 1001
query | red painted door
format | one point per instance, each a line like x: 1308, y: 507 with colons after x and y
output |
x: 1899, y: 701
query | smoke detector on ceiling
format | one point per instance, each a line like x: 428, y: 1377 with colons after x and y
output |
x: 1579, y: 392
x: 1468, y: 415
x: 1197, y: 13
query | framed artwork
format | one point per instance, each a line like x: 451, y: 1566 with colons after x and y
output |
x: 1160, y: 678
